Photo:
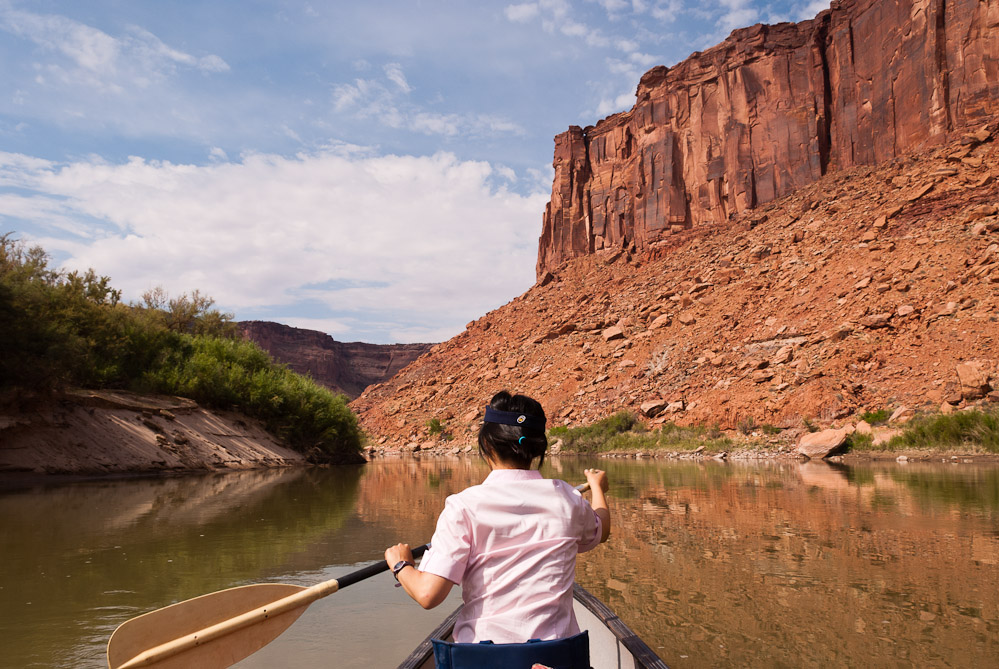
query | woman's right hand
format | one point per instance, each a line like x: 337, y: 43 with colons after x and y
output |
x: 597, y: 478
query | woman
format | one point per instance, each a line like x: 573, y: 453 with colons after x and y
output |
x: 511, y: 542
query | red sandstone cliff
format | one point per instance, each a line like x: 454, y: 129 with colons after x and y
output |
x: 870, y: 289
x: 348, y: 368
x: 770, y: 110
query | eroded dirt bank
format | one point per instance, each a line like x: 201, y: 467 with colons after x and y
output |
x: 107, y: 433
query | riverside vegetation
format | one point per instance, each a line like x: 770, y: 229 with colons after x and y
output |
x: 71, y: 329
x: 971, y: 430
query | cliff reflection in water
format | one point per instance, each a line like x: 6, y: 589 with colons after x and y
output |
x: 806, y: 565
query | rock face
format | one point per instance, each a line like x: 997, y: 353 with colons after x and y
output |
x: 766, y: 112
x: 872, y: 289
x: 348, y: 368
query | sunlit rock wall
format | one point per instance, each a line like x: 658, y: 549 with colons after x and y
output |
x: 768, y: 110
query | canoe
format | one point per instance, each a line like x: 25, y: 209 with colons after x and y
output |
x: 612, y: 644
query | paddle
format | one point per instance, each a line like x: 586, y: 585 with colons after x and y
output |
x: 222, y: 628
x: 217, y: 630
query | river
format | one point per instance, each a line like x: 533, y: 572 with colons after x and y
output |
x: 777, y: 564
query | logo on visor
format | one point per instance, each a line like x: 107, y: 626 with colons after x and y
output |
x: 521, y: 419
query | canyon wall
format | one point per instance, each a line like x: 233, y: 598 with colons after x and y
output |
x: 767, y: 111
x: 348, y: 368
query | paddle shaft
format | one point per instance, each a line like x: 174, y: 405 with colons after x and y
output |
x: 290, y: 603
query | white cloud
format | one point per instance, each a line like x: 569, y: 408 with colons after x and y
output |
x: 368, y: 98
x: 810, y: 10
x: 614, y: 6
x: 521, y: 13
x: 394, y: 72
x: 667, y: 11
x: 612, y: 106
x: 424, y: 244
x: 94, y: 58
x: 738, y: 14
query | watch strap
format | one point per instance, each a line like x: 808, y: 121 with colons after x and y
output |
x: 399, y: 566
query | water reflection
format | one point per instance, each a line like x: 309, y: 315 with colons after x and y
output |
x: 776, y: 564
x: 807, y: 565
x: 80, y: 559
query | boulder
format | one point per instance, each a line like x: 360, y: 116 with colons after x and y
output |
x: 818, y: 445
x: 783, y: 355
x: 901, y: 415
x: 612, y: 333
x: 974, y: 380
x: 653, y: 408
x: 660, y: 322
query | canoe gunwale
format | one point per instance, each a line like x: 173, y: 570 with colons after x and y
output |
x: 645, y: 657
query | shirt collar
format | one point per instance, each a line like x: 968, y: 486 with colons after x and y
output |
x: 508, y: 475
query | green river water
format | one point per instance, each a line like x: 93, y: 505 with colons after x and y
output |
x: 713, y: 564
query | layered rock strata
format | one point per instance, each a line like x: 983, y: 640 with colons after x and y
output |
x: 766, y: 112
x: 348, y: 368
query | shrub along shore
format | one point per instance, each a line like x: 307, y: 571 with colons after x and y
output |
x: 971, y: 434
x: 974, y: 431
x: 71, y: 330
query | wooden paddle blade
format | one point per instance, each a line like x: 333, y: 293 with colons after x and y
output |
x: 188, y: 617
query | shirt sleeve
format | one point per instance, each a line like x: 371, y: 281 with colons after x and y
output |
x: 591, y: 527
x: 450, y: 545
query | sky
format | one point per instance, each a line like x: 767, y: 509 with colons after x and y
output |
x: 374, y: 170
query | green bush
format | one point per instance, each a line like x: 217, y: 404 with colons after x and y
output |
x: 434, y: 427
x: 624, y: 432
x: 72, y: 330
x: 961, y: 429
x: 596, y: 436
x: 879, y: 417
x: 860, y: 441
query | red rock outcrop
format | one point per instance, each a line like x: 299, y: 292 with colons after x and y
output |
x: 870, y: 289
x: 348, y: 368
x: 766, y: 112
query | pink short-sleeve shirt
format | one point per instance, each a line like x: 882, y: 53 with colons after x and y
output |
x: 511, y: 544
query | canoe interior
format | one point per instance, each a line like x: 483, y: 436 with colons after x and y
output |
x: 612, y: 644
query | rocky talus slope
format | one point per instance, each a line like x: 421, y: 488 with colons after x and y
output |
x: 344, y: 367
x: 871, y: 288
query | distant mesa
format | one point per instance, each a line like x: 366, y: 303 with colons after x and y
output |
x: 347, y: 368
x: 768, y: 111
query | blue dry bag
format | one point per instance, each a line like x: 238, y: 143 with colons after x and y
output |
x: 570, y: 653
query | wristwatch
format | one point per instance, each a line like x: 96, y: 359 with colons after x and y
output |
x: 399, y: 566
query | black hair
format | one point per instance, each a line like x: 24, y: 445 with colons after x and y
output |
x: 503, y: 443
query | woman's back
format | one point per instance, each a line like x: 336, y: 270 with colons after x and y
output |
x: 512, y: 543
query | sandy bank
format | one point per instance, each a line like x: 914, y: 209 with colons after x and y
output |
x: 108, y: 433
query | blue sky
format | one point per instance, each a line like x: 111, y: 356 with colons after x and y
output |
x: 374, y: 170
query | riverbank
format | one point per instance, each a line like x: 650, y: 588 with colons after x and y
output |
x: 967, y: 435
x: 107, y: 433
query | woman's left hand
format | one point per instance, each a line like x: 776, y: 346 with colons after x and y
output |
x: 398, y: 553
